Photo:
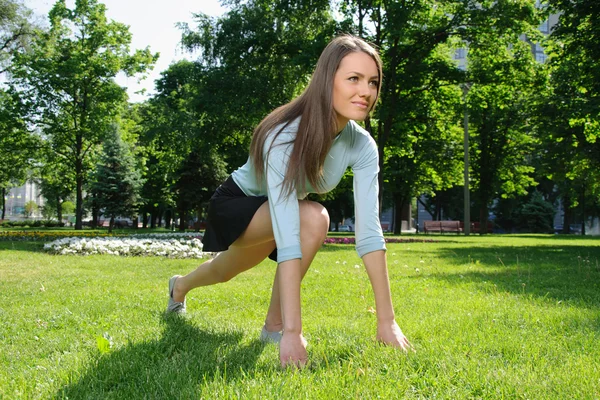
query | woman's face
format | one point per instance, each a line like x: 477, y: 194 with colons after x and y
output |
x: 355, y: 87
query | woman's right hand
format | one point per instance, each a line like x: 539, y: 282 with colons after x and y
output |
x: 292, y: 350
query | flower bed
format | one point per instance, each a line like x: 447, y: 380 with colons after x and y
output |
x: 162, y: 245
x: 171, y: 244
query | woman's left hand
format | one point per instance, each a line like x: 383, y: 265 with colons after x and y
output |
x: 389, y: 333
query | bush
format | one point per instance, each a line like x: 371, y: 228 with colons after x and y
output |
x: 33, y: 224
x: 31, y: 208
x: 68, y: 207
x: 537, y: 215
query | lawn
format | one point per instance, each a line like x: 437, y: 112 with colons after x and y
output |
x: 490, y: 317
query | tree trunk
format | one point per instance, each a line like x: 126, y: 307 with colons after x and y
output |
x: 3, y: 202
x: 567, y: 215
x: 111, y: 224
x: 59, y: 209
x: 153, y: 220
x: 79, y: 201
x: 144, y: 220
x: 182, y: 218
x: 95, y: 213
x: 168, y: 217
x: 583, y: 211
x: 483, y: 218
x: 398, y: 205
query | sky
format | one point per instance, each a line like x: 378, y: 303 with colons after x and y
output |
x: 151, y: 23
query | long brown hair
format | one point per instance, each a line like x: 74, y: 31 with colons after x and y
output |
x: 318, y: 120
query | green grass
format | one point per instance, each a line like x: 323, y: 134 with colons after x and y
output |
x: 491, y: 317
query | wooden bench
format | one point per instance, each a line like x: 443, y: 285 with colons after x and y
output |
x: 476, y: 226
x: 443, y: 226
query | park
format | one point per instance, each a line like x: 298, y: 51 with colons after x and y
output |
x: 484, y: 184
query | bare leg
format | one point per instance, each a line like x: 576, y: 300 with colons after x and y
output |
x: 253, y: 246
x: 314, y: 224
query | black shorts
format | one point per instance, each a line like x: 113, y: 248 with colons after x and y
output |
x: 229, y: 214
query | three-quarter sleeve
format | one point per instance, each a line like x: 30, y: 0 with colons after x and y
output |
x: 369, y: 236
x: 285, y: 212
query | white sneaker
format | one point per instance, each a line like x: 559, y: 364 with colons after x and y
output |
x: 270, y: 337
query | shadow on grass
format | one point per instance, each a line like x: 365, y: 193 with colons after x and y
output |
x: 173, y: 366
x: 562, y: 273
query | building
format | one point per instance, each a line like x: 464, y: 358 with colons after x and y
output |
x: 16, y: 198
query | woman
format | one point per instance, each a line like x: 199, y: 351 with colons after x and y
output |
x: 304, y: 146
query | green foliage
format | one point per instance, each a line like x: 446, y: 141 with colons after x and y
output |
x: 32, y: 223
x: 254, y: 58
x: 56, y: 180
x: 537, y: 215
x: 532, y: 213
x: 16, y: 30
x: 48, y: 211
x: 416, y: 123
x: 69, y: 78
x: 569, y: 112
x: 67, y: 207
x: 31, y: 208
x: 445, y: 204
x: 505, y: 79
x: 18, y: 147
x: 116, y: 182
x: 197, y: 179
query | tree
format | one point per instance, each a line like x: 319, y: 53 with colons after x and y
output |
x: 67, y: 207
x: 16, y: 31
x: 569, y: 119
x: 416, y: 124
x: 256, y: 57
x: 18, y: 146
x: 505, y: 76
x: 198, y: 177
x: 117, y: 181
x: 537, y: 215
x: 253, y: 59
x: 69, y: 77
x: 31, y: 208
x: 172, y: 129
x: 56, y: 180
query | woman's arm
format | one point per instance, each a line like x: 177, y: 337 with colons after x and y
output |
x: 292, y: 348
x: 388, y: 330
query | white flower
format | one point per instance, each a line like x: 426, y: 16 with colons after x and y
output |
x: 175, y: 245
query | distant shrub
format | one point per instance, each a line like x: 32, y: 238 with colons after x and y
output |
x: 537, y: 215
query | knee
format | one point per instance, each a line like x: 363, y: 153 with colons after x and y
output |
x: 314, y: 218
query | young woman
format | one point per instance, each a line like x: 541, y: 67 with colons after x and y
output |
x: 302, y: 147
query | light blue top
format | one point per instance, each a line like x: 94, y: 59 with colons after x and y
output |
x: 354, y: 148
